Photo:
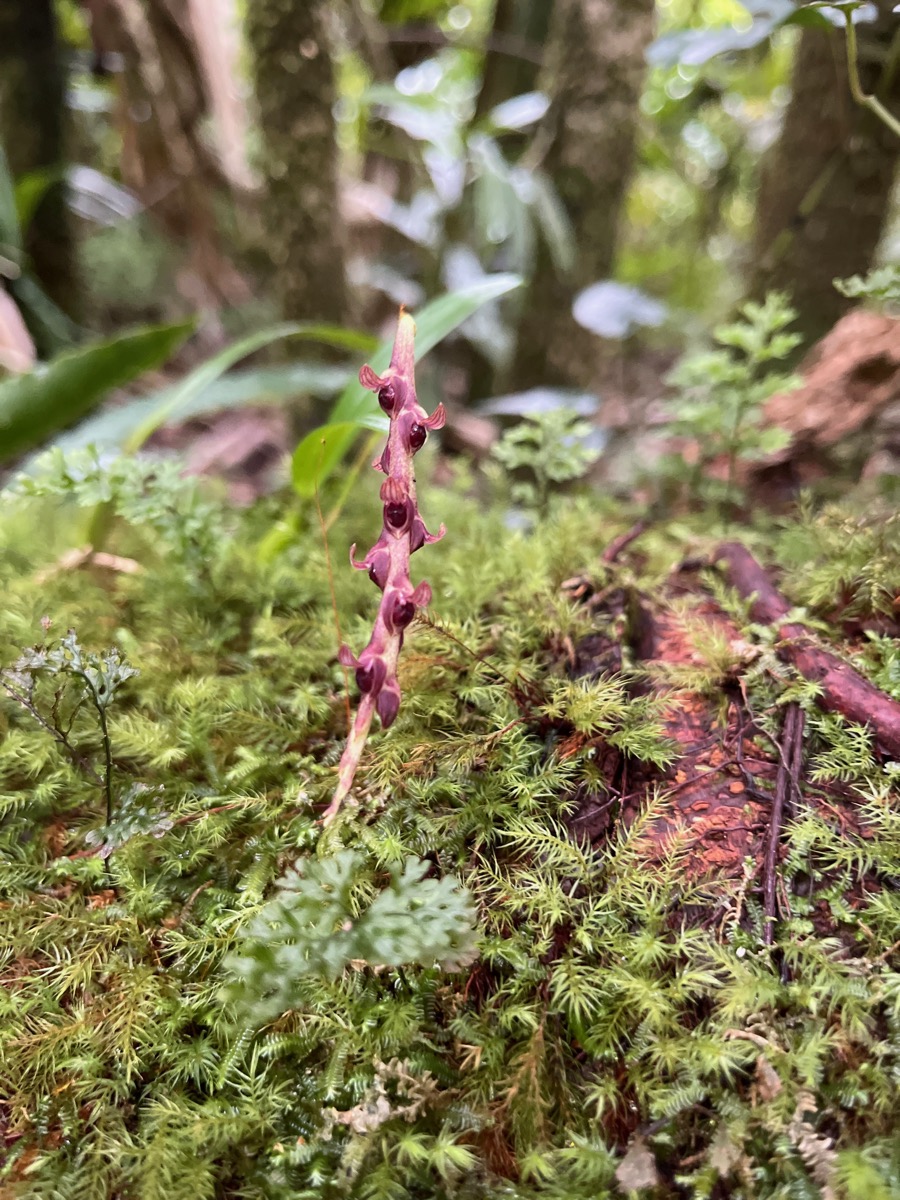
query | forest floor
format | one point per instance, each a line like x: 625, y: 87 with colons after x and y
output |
x: 653, y: 758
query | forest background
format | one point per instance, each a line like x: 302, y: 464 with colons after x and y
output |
x: 611, y: 907
x: 641, y: 171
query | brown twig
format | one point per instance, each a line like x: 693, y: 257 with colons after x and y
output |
x: 786, y: 786
x: 621, y: 543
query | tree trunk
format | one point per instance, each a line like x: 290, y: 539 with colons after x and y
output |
x: 594, y: 76
x: 32, y: 129
x: 295, y: 91
x: 513, y: 55
x: 827, y: 183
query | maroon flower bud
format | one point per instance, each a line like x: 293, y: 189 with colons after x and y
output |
x: 370, y: 674
x: 377, y: 562
x: 398, y: 508
x: 387, y: 398
x: 403, y: 612
x: 388, y: 704
x: 395, y: 516
x: 417, y: 435
x: 378, y: 570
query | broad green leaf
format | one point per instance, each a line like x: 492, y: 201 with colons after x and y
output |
x: 860, y: 12
x: 554, y: 221
x: 175, y: 401
x: 193, y: 385
x: 54, y: 395
x: 323, y: 446
x: 520, y: 111
x: 17, y: 202
x: 695, y: 47
x: 46, y: 320
x: 10, y: 229
x: 356, y: 406
x: 255, y: 385
x: 204, y: 389
x: 615, y: 310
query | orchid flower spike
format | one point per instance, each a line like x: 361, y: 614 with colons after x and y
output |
x: 387, y: 563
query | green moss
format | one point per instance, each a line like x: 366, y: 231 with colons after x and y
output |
x: 601, y: 1010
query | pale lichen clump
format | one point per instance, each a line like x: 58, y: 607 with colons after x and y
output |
x: 403, y: 532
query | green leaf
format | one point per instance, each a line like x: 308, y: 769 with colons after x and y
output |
x: 554, y: 221
x: 203, y: 390
x: 30, y: 190
x: 695, y: 47
x: 836, y: 13
x: 314, y: 927
x: 46, y: 319
x: 255, y: 385
x: 10, y: 229
x: 192, y: 386
x: 55, y: 394
x: 324, y: 445
x: 357, y: 408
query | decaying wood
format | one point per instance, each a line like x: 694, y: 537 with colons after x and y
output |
x: 847, y: 410
x: 726, y: 795
x: 843, y: 689
x: 716, y: 796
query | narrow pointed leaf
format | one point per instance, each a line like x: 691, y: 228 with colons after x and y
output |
x: 178, y: 399
x: 54, y: 395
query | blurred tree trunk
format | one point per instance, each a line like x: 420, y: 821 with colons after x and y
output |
x: 295, y: 91
x: 826, y: 185
x: 514, y: 51
x: 168, y: 157
x: 32, y: 130
x: 594, y: 76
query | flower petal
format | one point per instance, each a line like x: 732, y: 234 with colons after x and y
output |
x: 437, y: 420
x: 370, y: 381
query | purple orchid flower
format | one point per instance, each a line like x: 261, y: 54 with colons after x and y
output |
x: 387, y: 563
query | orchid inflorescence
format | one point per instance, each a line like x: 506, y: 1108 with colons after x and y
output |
x: 387, y: 563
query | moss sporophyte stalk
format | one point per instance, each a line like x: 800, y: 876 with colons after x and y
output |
x: 387, y: 563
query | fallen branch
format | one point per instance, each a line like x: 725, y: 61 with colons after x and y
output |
x: 621, y: 543
x: 842, y: 689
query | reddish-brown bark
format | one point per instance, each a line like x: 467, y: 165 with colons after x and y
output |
x: 843, y: 689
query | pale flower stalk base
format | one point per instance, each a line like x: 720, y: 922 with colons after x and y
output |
x: 387, y: 563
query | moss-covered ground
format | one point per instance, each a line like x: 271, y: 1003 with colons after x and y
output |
x: 620, y: 1026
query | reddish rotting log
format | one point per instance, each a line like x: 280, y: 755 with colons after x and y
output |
x: 843, y: 689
